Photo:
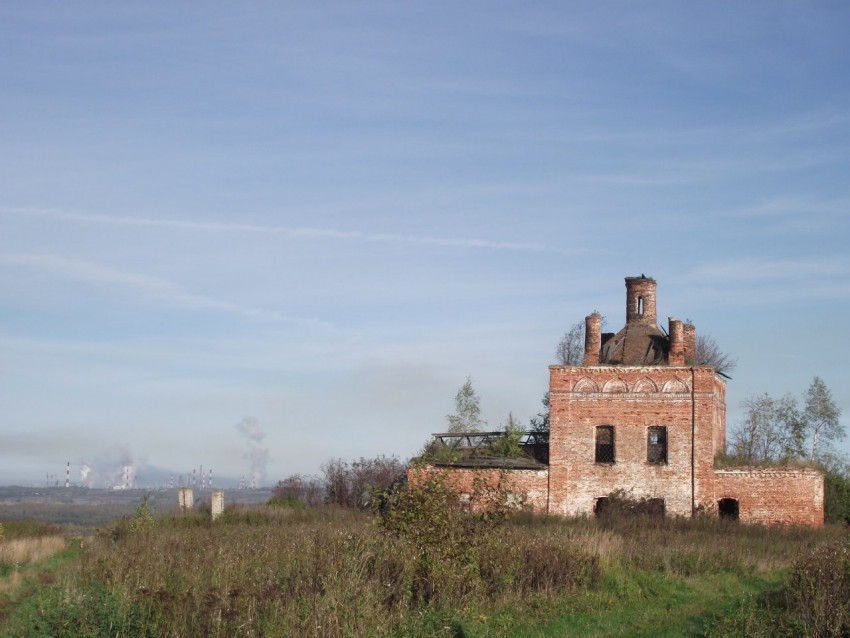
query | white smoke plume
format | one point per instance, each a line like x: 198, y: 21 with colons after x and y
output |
x: 250, y: 427
x: 258, y: 456
x: 113, y: 469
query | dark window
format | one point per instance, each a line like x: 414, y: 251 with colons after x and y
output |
x: 605, y: 444
x: 728, y: 509
x: 656, y: 444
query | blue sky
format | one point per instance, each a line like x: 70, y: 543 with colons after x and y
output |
x: 294, y: 229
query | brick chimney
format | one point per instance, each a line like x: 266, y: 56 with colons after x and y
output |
x: 592, y: 339
x: 640, y: 300
x: 676, y: 355
x: 690, y: 345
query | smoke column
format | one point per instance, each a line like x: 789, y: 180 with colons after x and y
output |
x: 257, y: 455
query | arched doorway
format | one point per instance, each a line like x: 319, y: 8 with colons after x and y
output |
x: 601, y: 506
x: 728, y: 509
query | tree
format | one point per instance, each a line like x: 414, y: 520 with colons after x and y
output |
x: 467, y: 416
x: 708, y: 353
x: 570, y: 350
x: 509, y: 444
x: 771, y: 431
x: 820, y: 418
x: 539, y: 424
x: 777, y: 430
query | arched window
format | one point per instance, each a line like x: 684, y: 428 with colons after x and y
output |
x: 604, y: 444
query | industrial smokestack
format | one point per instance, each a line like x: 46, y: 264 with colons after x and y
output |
x: 68, y: 475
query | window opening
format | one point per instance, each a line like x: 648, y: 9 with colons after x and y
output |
x: 640, y: 306
x: 728, y: 508
x: 656, y: 444
x: 605, y: 444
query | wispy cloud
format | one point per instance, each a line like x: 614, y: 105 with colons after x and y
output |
x: 756, y: 270
x: 289, y: 231
x: 151, y: 287
x: 794, y: 205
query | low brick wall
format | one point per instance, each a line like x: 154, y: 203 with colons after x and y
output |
x: 531, y: 487
x: 771, y: 496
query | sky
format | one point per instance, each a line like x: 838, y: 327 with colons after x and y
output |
x: 256, y: 236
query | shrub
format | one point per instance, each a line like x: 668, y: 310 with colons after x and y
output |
x: 297, y: 489
x: 354, y: 484
x: 819, y: 590
x: 142, y: 522
x: 620, y: 504
x: 27, y: 528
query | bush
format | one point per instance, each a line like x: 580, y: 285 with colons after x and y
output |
x: 621, y: 504
x: 297, y: 490
x: 819, y: 590
x: 142, y: 522
x: 355, y: 484
x: 27, y: 528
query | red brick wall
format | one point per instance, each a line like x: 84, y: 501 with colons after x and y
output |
x: 773, y: 495
x: 633, y: 398
x: 530, y: 486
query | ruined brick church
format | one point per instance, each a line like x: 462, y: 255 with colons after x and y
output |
x: 640, y: 417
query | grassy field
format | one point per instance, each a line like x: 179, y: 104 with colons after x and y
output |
x: 430, y: 571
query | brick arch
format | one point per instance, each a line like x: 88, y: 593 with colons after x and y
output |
x: 645, y: 385
x: 675, y: 386
x: 615, y: 386
x: 585, y: 385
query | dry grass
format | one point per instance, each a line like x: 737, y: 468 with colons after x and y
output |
x: 17, y: 552
x: 10, y: 583
x: 21, y: 551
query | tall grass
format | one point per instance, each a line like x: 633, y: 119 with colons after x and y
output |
x: 20, y: 551
x: 328, y: 571
x: 313, y: 573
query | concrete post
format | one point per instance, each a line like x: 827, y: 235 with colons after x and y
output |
x: 217, y: 503
x: 185, y: 499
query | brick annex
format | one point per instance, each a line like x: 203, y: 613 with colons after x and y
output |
x: 638, y: 417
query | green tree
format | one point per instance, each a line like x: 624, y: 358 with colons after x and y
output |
x: 820, y: 419
x: 467, y: 416
x: 509, y: 444
x: 539, y: 424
